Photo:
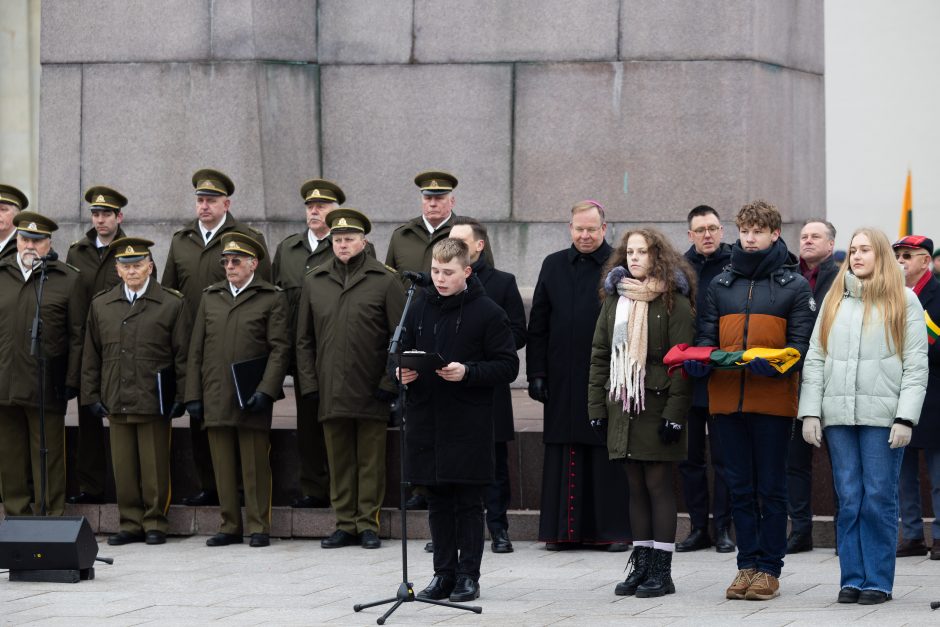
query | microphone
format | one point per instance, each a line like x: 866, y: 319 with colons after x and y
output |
x: 418, y: 278
x: 52, y: 256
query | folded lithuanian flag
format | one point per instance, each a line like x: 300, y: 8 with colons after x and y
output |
x: 933, y: 331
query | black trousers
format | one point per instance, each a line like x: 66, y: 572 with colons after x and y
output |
x: 498, y: 492
x: 800, y: 483
x: 694, y: 473
x: 455, y: 515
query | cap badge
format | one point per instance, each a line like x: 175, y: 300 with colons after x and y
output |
x: 100, y: 198
x: 129, y: 250
x: 433, y: 183
x: 209, y: 184
x: 231, y: 246
x: 315, y: 192
x: 31, y: 225
x: 342, y: 222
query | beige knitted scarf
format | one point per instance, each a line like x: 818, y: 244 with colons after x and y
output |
x: 629, y: 342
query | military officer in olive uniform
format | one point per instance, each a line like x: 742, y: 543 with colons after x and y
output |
x: 136, y: 332
x: 12, y: 200
x: 193, y: 265
x: 62, y: 312
x: 295, y: 256
x: 349, y: 309
x: 92, y: 255
x: 240, y: 318
x: 411, y: 243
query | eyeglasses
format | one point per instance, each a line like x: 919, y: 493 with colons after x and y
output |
x: 711, y: 230
x: 235, y: 261
x: 906, y: 256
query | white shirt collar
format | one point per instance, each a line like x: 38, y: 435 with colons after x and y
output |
x: 26, y: 271
x: 130, y: 293
x: 218, y: 227
x: 312, y: 239
x: 238, y: 290
x: 430, y: 228
x: 8, y: 238
x: 99, y: 243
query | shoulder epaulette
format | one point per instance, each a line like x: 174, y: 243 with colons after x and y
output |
x: 176, y: 293
x: 313, y: 269
x: 66, y: 263
x: 75, y: 243
x: 104, y: 291
x: 390, y: 269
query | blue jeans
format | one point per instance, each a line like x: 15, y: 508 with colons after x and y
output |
x: 755, y: 452
x: 912, y: 524
x: 865, y: 473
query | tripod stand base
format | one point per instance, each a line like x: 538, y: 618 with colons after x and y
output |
x: 406, y: 594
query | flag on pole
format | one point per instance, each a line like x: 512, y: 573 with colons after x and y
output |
x: 907, y: 211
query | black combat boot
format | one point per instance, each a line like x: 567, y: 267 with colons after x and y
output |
x: 659, y: 582
x: 639, y: 565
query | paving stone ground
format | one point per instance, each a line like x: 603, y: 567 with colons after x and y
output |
x: 295, y: 582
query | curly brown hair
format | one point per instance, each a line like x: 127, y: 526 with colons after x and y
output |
x: 666, y: 264
x: 759, y: 213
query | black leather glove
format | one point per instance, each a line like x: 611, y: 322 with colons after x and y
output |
x: 395, y: 413
x: 176, y: 410
x: 98, y: 410
x: 194, y: 409
x: 384, y: 395
x: 538, y: 389
x: 599, y: 425
x: 259, y: 402
x: 670, y: 432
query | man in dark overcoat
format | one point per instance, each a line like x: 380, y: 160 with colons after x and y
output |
x: 817, y: 242
x: 12, y: 200
x: 240, y: 319
x: 192, y: 265
x: 914, y: 254
x: 296, y: 255
x: 93, y: 256
x: 584, y: 494
x: 63, y: 319
x: 449, y: 413
x: 136, y: 345
x: 501, y: 288
x: 348, y: 311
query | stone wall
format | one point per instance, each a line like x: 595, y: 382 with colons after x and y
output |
x: 650, y: 107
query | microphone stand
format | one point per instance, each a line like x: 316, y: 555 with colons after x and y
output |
x: 36, y: 351
x: 405, y: 593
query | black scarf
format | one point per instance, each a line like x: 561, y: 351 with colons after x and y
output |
x: 758, y: 264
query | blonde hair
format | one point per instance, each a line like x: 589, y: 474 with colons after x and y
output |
x: 451, y: 248
x: 883, y: 289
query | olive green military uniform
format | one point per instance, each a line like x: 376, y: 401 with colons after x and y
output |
x: 125, y: 346
x: 229, y: 329
x: 411, y: 245
x: 347, y: 315
x: 98, y: 273
x: 63, y: 308
x: 292, y: 261
x: 636, y: 436
x: 9, y: 249
x: 191, y: 266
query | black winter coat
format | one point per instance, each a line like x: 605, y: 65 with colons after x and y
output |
x: 501, y: 288
x: 564, y: 312
x: 706, y: 269
x: 927, y: 432
x: 449, y: 425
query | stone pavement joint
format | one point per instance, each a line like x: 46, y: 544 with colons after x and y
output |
x: 294, y: 582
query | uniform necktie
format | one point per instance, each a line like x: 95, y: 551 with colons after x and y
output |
x: 208, y: 235
x: 133, y: 299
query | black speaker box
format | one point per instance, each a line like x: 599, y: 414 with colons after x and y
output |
x: 38, y: 548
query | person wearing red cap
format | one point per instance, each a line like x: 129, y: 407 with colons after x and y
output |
x: 913, y: 252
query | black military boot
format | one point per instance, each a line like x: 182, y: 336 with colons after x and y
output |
x: 639, y: 565
x: 659, y: 583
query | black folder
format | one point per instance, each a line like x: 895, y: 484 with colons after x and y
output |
x: 247, y: 376
x: 421, y: 361
x: 166, y: 388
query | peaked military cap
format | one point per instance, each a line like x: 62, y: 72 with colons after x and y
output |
x: 212, y: 183
x: 321, y: 190
x: 131, y: 249
x: 13, y: 196
x: 434, y: 183
x: 101, y: 197
x: 33, y: 225
x: 235, y: 243
x: 348, y: 220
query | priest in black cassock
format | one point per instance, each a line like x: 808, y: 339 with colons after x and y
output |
x: 584, y: 494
